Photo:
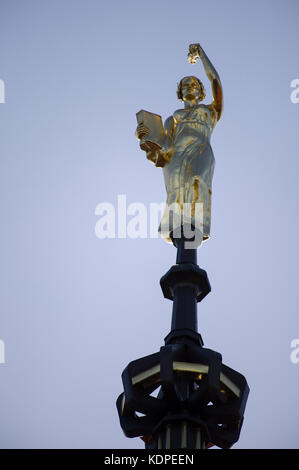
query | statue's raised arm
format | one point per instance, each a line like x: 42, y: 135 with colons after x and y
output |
x: 195, y: 52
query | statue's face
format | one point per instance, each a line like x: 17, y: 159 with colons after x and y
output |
x: 190, y: 89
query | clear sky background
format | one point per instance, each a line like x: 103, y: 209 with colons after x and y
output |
x: 75, y: 310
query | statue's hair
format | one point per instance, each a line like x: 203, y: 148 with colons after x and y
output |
x: 179, y: 89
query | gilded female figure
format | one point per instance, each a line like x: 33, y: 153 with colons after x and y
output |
x: 186, y: 154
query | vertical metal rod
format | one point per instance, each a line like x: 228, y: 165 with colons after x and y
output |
x: 184, y: 255
x: 184, y: 310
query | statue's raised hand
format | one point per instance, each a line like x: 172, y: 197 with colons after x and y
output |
x: 194, y: 53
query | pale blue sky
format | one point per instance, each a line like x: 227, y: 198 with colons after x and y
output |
x: 75, y: 309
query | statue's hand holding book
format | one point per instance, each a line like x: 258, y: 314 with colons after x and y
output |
x: 150, y: 133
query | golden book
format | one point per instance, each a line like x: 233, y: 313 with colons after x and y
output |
x: 154, y: 123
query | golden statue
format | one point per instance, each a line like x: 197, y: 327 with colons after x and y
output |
x: 182, y: 148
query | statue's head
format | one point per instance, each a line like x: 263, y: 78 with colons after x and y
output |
x: 190, y: 88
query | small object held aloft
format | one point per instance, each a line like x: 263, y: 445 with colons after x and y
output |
x: 194, y: 53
